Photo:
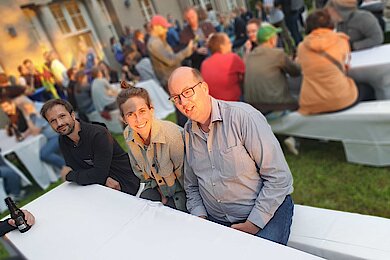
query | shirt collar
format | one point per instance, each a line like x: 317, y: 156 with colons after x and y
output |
x: 215, y: 115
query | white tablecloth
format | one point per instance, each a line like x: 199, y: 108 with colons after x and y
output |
x: 95, y: 222
x: 28, y: 152
x: 340, y: 235
x: 372, y: 66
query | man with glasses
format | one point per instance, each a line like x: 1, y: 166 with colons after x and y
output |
x: 235, y: 172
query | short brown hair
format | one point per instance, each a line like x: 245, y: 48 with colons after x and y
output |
x: 215, y: 42
x: 54, y: 102
x: 255, y: 21
x: 130, y: 92
x: 319, y: 19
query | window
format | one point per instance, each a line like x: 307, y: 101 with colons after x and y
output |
x: 60, y: 18
x: 75, y: 15
x: 231, y: 4
x: 147, y: 9
x: 68, y: 17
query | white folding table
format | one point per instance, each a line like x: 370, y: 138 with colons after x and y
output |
x: 28, y: 152
x: 372, y: 66
x: 95, y: 222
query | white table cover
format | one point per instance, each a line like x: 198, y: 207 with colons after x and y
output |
x: 95, y: 222
x: 372, y: 66
x: 364, y: 130
x: 28, y: 152
x: 340, y: 235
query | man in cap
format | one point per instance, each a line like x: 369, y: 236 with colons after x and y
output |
x: 163, y: 59
x: 361, y: 26
x: 235, y: 172
x: 266, y: 71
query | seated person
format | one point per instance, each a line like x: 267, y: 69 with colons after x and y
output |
x: 104, y: 101
x: 361, y: 26
x: 12, y: 181
x: 91, y: 154
x: 82, y: 94
x: 28, y: 122
x: 235, y: 173
x: 109, y: 74
x: 267, y: 71
x: 252, y: 27
x: 322, y: 55
x: 8, y: 224
x: 223, y: 70
x: 156, y: 149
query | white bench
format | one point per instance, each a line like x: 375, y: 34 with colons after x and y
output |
x: 363, y: 129
x: 339, y: 235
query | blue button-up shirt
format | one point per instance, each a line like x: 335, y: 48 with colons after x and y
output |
x: 237, y: 171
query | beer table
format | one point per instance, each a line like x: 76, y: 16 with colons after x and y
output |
x: 28, y: 153
x: 96, y: 222
x: 372, y: 66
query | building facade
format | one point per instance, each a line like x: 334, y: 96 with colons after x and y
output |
x: 31, y: 27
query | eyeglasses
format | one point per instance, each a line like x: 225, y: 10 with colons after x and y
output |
x: 187, y: 93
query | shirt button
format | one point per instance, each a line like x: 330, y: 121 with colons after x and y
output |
x: 219, y: 201
x: 213, y: 184
x: 212, y: 166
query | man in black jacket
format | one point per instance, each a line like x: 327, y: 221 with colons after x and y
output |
x: 91, y: 154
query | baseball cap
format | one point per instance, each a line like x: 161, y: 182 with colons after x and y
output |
x: 160, y: 20
x: 266, y: 32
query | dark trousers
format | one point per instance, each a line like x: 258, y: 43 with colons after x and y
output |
x: 278, y: 228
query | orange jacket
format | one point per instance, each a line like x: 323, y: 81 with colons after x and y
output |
x: 325, y: 88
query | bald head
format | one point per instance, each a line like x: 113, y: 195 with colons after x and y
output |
x: 184, y: 74
x: 191, y: 92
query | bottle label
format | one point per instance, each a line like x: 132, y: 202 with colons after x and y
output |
x: 22, y: 226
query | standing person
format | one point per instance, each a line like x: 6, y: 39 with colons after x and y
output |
x: 361, y: 26
x: 91, y: 154
x: 139, y: 41
x: 156, y: 149
x: 235, y: 172
x: 223, y: 70
x: 164, y: 60
x: 323, y: 55
x: 239, y: 29
x: 291, y: 10
x: 199, y: 33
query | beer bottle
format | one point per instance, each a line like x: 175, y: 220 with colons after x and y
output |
x: 18, y: 135
x: 17, y: 215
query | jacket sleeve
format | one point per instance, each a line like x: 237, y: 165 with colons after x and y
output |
x: 167, y: 56
x: 372, y: 32
x: 5, y: 227
x: 290, y: 67
x: 102, y: 156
